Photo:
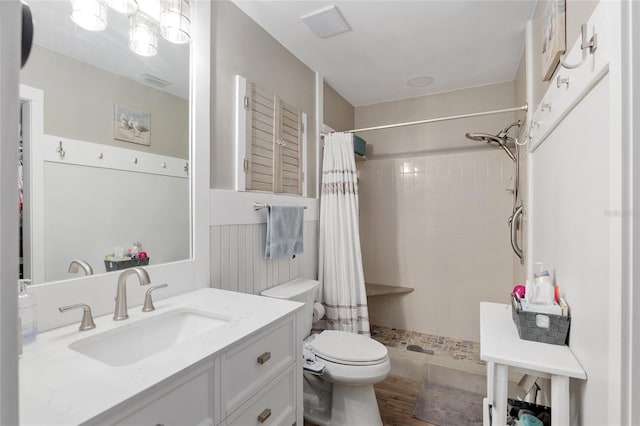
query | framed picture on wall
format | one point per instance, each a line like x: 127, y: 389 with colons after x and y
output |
x: 554, y: 43
x: 131, y: 125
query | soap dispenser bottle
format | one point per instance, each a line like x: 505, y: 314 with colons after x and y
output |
x: 27, y: 312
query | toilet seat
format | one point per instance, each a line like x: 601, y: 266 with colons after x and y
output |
x: 341, y: 347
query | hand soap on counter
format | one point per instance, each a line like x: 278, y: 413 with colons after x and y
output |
x: 27, y: 312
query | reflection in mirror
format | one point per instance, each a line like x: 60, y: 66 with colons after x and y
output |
x: 110, y: 174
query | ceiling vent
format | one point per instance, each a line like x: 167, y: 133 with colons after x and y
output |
x: 154, y: 81
x: 326, y: 22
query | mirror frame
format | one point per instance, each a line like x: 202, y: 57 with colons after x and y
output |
x: 184, y: 275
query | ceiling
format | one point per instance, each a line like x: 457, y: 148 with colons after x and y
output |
x: 109, y: 49
x: 460, y: 43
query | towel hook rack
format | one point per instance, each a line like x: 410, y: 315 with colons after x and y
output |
x: 591, y: 44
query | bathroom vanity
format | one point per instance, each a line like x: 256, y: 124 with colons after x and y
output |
x: 208, y: 357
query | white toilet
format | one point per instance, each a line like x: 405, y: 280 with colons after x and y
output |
x: 352, y: 365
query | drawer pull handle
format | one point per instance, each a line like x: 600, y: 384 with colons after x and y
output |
x: 264, y: 415
x: 264, y: 358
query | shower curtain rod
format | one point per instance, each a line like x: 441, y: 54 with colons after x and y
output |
x: 434, y: 120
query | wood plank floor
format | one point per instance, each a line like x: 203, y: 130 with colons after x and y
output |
x: 396, y: 398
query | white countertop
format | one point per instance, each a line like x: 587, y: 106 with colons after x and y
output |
x: 500, y: 343
x: 59, y: 386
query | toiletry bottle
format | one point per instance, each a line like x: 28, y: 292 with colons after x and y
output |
x: 27, y: 312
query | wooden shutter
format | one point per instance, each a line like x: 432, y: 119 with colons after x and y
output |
x: 260, y: 113
x: 289, y: 148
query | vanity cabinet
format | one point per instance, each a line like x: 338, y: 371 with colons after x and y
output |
x: 252, y: 382
x: 247, y: 367
x: 182, y: 401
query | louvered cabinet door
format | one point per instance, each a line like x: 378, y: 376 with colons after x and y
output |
x: 289, y: 148
x: 261, y: 123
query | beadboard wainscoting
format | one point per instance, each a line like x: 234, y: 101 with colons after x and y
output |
x: 238, y: 236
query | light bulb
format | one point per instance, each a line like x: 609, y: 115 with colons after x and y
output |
x: 123, y: 6
x: 89, y: 14
x: 175, y: 21
x: 143, y: 38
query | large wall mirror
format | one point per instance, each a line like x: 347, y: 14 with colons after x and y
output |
x: 111, y: 167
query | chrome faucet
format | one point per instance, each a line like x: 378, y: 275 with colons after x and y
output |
x: 77, y: 264
x: 120, y: 312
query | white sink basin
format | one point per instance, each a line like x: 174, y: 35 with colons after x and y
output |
x: 138, y: 340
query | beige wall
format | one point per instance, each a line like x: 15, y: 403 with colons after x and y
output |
x: 79, y: 103
x: 578, y: 11
x: 447, y: 136
x: 338, y: 113
x: 242, y: 47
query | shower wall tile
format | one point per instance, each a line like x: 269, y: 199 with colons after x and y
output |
x: 437, y: 223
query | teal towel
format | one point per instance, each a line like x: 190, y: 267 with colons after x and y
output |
x: 359, y: 146
x: 284, y: 231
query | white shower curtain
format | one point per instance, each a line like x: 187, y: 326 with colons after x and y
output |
x: 340, y: 264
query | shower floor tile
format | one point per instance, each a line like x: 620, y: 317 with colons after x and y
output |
x: 437, y: 345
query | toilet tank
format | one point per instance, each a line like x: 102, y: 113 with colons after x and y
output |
x: 299, y: 290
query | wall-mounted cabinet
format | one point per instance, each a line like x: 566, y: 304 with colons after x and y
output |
x: 270, y: 141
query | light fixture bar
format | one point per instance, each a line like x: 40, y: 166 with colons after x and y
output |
x: 175, y: 21
x: 143, y: 37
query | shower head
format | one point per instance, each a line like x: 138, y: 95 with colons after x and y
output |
x: 485, y: 137
x: 499, y: 140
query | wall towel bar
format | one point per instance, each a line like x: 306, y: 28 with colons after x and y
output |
x: 258, y: 206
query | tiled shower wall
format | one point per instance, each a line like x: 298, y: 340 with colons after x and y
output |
x: 238, y: 263
x: 437, y: 223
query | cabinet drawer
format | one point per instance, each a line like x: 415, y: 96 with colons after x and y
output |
x: 187, y: 404
x: 248, y: 367
x: 273, y: 405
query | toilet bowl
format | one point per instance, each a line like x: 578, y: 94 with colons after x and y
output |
x: 352, y: 365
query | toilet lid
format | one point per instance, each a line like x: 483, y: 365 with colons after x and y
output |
x: 348, y: 348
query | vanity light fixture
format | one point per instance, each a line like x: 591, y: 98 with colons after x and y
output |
x: 147, y: 19
x: 89, y: 14
x: 175, y: 21
x: 143, y: 35
x: 123, y: 6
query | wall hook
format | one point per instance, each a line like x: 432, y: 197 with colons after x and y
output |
x: 591, y: 44
x: 61, y: 152
x: 186, y: 168
x: 163, y: 165
x: 100, y: 155
x: 562, y: 80
x: 135, y: 160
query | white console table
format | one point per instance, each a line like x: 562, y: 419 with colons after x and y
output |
x: 501, y: 348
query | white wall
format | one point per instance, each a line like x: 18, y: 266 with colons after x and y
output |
x: 437, y: 223
x: 89, y: 211
x: 238, y: 235
x: 571, y: 236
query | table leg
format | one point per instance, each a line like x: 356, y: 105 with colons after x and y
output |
x: 559, y: 400
x: 501, y: 375
x: 490, y: 381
